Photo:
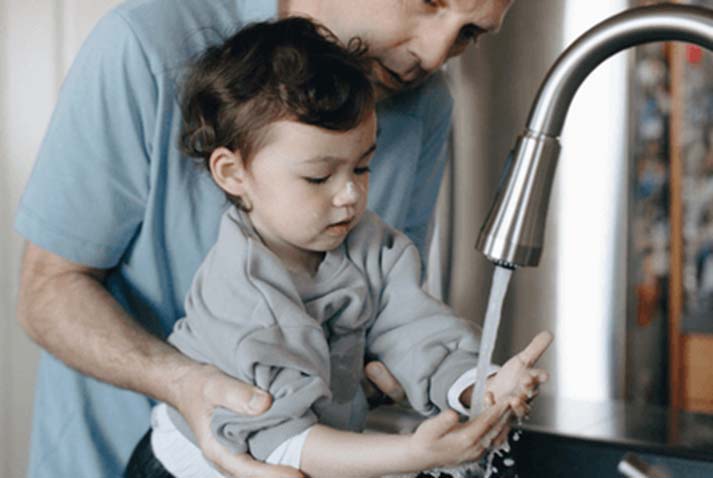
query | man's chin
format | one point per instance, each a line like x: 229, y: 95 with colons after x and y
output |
x: 386, y: 85
x: 384, y: 91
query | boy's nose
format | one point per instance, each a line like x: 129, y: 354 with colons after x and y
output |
x: 348, y: 195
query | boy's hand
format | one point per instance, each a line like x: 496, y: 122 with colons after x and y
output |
x: 517, y: 379
x: 444, y: 441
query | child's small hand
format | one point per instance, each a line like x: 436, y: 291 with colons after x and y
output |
x: 444, y: 441
x: 516, y: 381
x: 517, y: 378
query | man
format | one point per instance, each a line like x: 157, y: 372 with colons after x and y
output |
x: 117, y: 220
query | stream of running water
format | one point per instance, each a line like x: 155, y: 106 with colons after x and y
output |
x: 498, y: 288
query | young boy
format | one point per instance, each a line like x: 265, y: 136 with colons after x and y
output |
x: 303, y: 282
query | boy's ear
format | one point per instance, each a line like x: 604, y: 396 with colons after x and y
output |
x: 228, y: 170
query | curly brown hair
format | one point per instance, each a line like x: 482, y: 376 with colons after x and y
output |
x: 270, y: 71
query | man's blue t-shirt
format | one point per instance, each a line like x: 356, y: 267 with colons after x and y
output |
x: 110, y: 190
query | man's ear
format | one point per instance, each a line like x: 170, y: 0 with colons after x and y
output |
x: 228, y: 171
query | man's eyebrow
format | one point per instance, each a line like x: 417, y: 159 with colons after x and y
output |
x: 332, y: 159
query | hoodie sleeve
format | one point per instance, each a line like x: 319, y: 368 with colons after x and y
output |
x: 418, y: 338
x: 290, y: 365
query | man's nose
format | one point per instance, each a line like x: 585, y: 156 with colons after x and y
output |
x: 348, y: 195
x: 433, y: 48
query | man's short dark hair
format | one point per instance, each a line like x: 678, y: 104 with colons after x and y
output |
x: 290, y: 69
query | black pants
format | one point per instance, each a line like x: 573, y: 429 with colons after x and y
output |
x: 143, y: 463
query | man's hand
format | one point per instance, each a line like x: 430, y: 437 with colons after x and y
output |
x: 200, y: 390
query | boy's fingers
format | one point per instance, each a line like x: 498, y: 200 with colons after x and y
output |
x: 519, y: 407
x: 380, y: 376
x: 489, y: 399
x: 502, y: 424
x: 478, y: 427
x: 540, y: 375
x: 502, y: 437
x: 535, y: 348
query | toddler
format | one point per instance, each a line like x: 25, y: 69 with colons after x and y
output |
x: 304, y: 282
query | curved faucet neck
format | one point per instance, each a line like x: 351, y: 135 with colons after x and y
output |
x: 513, y: 232
x: 633, y: 27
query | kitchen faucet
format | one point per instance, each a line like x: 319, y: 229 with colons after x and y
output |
x: 513, y: 233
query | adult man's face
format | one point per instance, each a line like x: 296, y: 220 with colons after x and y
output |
x: 412, y: 39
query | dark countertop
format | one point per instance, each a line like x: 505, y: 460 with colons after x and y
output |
x: 643, y: 427
x: 646, y: 427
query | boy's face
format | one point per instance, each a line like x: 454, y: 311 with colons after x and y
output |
x: 308, y: 186
x: 412, y: 39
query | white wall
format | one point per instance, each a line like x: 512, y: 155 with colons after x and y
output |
x: 592, y: 194
x: 38, y: 39
x: 576, y: 292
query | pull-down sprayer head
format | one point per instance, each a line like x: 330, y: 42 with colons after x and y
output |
x: 513, y: 233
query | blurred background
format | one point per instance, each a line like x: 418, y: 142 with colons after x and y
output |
x: 626, y: 278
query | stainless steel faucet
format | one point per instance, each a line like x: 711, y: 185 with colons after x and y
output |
x: 513, y: 232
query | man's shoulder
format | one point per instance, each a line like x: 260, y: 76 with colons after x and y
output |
x: 172, y: 32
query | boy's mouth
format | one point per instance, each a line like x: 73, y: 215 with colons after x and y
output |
x: 340, y: 228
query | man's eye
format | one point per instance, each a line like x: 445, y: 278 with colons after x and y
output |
x: 364, y: 170
x: 468, y: 33
x: 430, y: 3
x: 318, y: 180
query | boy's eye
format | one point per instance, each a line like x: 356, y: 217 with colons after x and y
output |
x: 362, y: 170
x: 318, y: 180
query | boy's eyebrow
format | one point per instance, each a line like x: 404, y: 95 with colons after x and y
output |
x: 371, y: 149
x: 317, y: 159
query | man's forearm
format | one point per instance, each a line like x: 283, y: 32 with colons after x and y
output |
x: 72, y: 316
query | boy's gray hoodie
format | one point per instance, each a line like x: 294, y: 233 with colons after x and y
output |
x: 304, y: 341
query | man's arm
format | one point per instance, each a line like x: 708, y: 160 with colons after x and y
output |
x: 64, y: 307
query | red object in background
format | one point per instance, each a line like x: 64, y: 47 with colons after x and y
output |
x: 694, y: 54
